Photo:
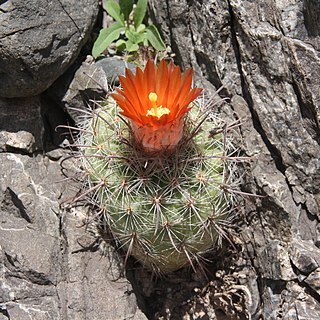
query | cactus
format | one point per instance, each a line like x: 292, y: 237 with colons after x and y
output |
x: 164, y: 206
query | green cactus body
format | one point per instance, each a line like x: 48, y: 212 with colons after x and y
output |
x: 165, y: 210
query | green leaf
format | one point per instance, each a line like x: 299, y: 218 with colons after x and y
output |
x: 106, y: 37
x: 113, y: 8
x: 139, y: 12
x: 135, y: 37
x: 130, y: 36
x: 120, y: 44
x: 141, y: 28
x: 126, y: 8
x: 131, y: 47
x: 154, y: 38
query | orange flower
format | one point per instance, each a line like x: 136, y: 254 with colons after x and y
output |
x: 155, y: 100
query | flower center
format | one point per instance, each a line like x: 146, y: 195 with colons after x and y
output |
x: 156, y: 111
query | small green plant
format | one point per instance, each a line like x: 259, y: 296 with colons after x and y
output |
x: 127, y: 31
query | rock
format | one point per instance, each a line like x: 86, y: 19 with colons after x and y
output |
x: 313, y: 280
x: 90, y: 83
x: 304, y: 255
x: 265, y: 54
x: 93, y: 284
x: 311, y: 11
x: 51, y: 267
x: 290, y: 302
x: 29, y: 231
x: 30, y: 124
x: 198, y: 42
x: 21, y: 124
x: 21, y: 140
x: 114, y: 67
x: 39, y: 40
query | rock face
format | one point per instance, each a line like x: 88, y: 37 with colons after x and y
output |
x: 265, y: 54
x: 21, y: 125
x: 91, y: 81
x: 51, y: 267
x: 39, y: 40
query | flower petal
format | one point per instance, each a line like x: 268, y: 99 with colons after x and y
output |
x: 174, y: 85
x: 123, y: 104
x: 130, y: 92
x: 193, y: 94
x: 150, y: 76
x: 162, y: 80
x: 142, y: 90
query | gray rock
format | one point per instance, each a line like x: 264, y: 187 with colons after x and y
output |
x: 313, y: 280
x: 21, y: 140
x: 49, y: 267
x: 304, y: 255
x: 30, y: 124
x: 311, y: 13
x: 265, y: 54
x: 289, y: 302
x: 39, y: 40
x: 21, y: 124
x: 90, y: 83
x: 113, y: 67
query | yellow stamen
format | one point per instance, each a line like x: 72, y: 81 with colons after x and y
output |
x: 156, y: 111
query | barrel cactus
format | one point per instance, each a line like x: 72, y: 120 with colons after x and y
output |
x: 155, y: 164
